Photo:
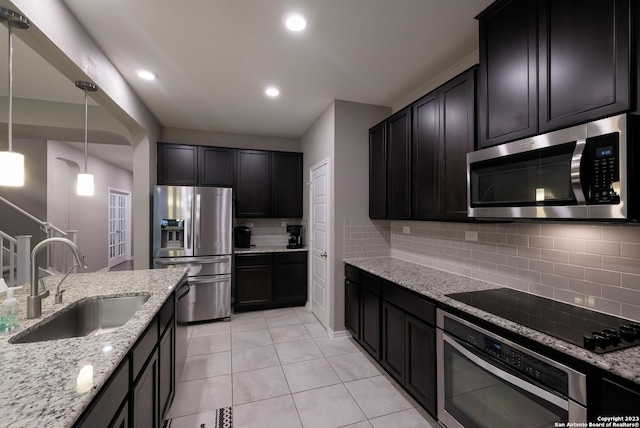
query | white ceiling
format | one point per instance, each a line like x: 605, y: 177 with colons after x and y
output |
x: 215, y: 57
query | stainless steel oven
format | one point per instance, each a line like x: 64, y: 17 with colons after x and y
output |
x: 487, y: 381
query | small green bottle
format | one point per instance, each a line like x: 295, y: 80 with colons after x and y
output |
x: 9, y: 321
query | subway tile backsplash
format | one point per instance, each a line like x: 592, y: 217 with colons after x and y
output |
x: 596, y: 266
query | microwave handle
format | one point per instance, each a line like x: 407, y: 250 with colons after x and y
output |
x: 576, y: 163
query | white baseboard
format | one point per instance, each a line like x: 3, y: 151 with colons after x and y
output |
x: 341, y: 334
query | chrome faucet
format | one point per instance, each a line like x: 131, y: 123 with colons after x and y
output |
x: 34, y: 301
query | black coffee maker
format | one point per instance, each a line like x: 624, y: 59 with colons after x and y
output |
x: 242, y: 237
x: 295, y: 236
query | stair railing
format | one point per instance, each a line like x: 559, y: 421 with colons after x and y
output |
x: 15, y: 258
x: 60, y: 263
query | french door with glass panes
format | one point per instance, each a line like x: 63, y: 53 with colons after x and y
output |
x: 118, y: 227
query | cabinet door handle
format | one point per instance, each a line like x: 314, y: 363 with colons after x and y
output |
x: 323, y: 254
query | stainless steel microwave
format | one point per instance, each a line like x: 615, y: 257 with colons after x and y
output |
x: 582, y: 172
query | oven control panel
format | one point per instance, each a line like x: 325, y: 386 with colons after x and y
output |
x: 527, y: 364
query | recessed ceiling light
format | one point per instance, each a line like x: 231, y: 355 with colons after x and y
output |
x: 272, y: 92
x: 295, y: 22
x: 146, y: 75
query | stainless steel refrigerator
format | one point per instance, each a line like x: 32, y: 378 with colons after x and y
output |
x: 192, y: 227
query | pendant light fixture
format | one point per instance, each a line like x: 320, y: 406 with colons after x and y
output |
x: 11, y: 163
x: 85, y: 180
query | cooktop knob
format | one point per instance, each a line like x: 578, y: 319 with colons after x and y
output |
x: 629, y: 333
x: 601, y: 340
x: 589, y: 342
x: 612, y: 335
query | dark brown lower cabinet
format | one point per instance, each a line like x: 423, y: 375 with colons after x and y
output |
x: 397, y: 327
x: 613, y: 398
x: 271, y: 280
x: 370, y: 322
x: 290, y: 284
x: 393, y: 341
x: 352, y: 308
x: 144, y: 397
x: 167, y: 366
x: 139, y: 392
x: 408, y: 353
x: 420, y: 362
x: 253, y: 286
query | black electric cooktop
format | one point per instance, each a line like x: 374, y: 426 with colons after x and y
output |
x: 583, y: 327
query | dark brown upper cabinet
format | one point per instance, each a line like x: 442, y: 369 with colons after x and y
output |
x: 418, y: 156
x: 550, y: 64
x: 457, y: 133
x: 426, y: 157
x: 216, y: 166
x: 584, y: 61
x: 183, y: 165
x: 268, y: 184
x: 443, y: 134
x: 508, y: 74
x: 253, y: 184
x: 399, y: 165
x: 378, y: 171
x: 177, y: 164
x: 286, y: 184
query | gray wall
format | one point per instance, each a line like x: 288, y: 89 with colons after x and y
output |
x: 351, y: 183
x: 341, y: 135
x: 87, y: 214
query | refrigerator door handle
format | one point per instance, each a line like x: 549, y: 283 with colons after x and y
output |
x: 196, y: 227
x: 192, y: 260
x: 209, y: 280
x: 189, y: 225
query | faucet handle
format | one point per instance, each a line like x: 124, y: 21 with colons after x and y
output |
x: 41, y: 281
x: 58, y: 297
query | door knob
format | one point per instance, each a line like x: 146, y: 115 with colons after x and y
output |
x: 323, y: 254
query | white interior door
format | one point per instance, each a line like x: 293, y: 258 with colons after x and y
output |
x: 118, y: 227
x: 319, y: 201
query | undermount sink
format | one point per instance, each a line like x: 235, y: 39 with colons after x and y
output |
x: 86, y: 318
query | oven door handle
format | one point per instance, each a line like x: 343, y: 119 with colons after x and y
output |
x: 507, y: 377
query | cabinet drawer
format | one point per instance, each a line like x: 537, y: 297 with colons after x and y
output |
x: 293, y: 257
x: 254, y: 259
x: 144, y: 348
x: 166, y: 312
x: 370, y: 282
x: 409, y: 302
x: 352, y: 274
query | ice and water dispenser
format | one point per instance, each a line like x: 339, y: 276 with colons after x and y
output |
x: 172, y: 233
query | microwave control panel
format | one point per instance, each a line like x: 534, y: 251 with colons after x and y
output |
x: 604, y: 171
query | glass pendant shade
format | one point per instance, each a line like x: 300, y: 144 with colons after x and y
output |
x: 85, y: 185
x: 11, y: 169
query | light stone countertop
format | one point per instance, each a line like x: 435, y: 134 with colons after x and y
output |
x: 267, y: 249
x: 39, y: 381
x: 435, y: 284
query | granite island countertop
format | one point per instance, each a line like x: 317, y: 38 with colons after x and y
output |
x: 436, y: 284
x: 40, y: 380
x: 267, y: 249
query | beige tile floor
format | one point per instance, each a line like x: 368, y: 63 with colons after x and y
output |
x: 279, y: 368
